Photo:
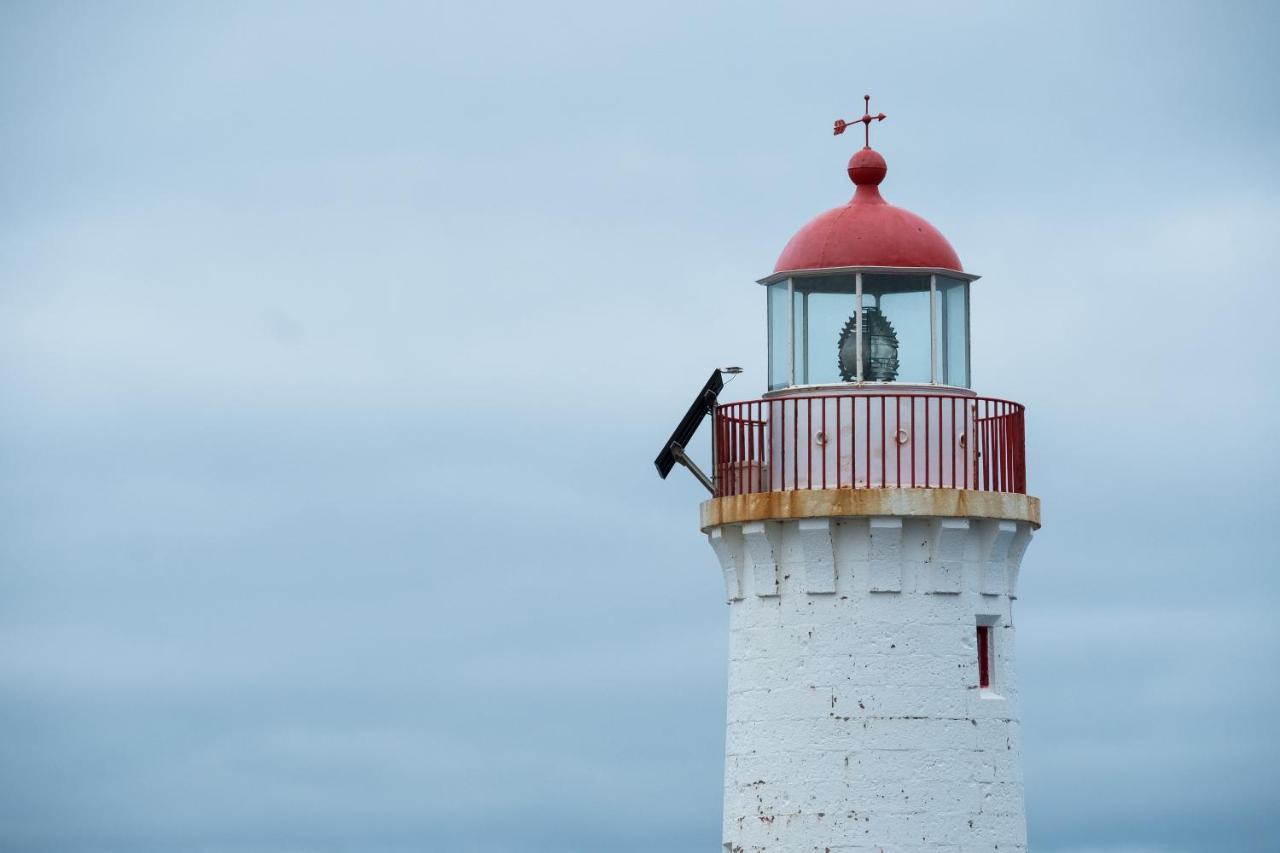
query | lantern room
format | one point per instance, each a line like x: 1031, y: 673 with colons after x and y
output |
x: 868, y: 293
x: 868, y: 325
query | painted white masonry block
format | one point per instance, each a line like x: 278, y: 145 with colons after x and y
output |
x: 726, y: 542
x: 946, y: 563
x: 819, y: 558
x: 999, y: 538
x: 855, y: 720
x: 884, y: 559
x: 758, y: 538
x: 1016, y: 550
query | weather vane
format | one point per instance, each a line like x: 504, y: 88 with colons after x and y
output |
x: 866, y: 120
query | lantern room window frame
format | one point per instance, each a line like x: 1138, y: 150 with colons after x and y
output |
x: 937, y: 355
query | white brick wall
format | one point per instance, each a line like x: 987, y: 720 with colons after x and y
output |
x: 855, y: 721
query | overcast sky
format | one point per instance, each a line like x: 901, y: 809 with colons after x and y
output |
x: 336, y: 342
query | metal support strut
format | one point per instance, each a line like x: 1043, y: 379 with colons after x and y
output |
x: 683, y: 458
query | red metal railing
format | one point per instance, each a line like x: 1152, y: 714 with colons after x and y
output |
x: 870, y: 441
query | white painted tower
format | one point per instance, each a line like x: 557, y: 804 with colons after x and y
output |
x: 870, y: 515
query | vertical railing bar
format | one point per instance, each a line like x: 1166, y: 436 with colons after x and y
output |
x: 767, y: 441
x: 986, y: 445
x: 735, y: 463
x: 1022, y: 443
x: 1019, y: 471
x: 867, y: 402
x: 993, y: 453
x: 1004, y: 453
x: 839, y: 459
x: 1013, y: 451
x: 1015, y: 444
x: 757, y: 445
x: 745, y: 448
x: 897, y: 423
x: 723, y: 487
x: 1008, y: 442
x: 764, y: 438
x: 1022, y: 449
x: 795, y: 444
x: 724, y: 452
x: 1008, y: 485
x: 767, y: 438
x: 853, y: 442
x: 941, y: 464
x: 769, y: 433
x: 741, y: 458
x: 740, y: 454
x: 717, y: 469
x: 1000, y: 450
x: 782, y: 445
x: 733, y: 466
x: 735, y: 448
x: 884, y: 457
x: 724, y: 443
x: 913, y: 441
x: 808, y: 445
x: 751, y: 437
x: 826, y: 439
x: 731, y: 452
x: 999, y: 434
x: 997, y: 452
x: 927, y: 444
x: 757, y: 449
x: 955, y: 441
x: 989, y: 444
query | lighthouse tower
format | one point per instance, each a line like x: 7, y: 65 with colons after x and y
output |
x: 869, y: 513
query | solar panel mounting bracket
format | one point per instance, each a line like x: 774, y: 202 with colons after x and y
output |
x: 683, y: 458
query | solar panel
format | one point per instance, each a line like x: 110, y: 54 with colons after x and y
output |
x: 689, y: 423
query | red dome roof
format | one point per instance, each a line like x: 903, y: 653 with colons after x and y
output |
x: 868, y: 231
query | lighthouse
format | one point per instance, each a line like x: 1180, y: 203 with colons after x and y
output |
x: 869, y: 513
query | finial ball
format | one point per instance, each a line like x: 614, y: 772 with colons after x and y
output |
x: 867, y: 167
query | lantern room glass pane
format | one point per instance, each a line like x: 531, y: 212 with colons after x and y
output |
x: 779, y: 336
x: 824, y: 308
x: 897, y: 335
x: 953, y: 324
x: 800, y: 370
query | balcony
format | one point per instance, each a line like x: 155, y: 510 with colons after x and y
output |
x: 869, y: 440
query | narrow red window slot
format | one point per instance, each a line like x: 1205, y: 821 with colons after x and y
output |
x: 984, y: 655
